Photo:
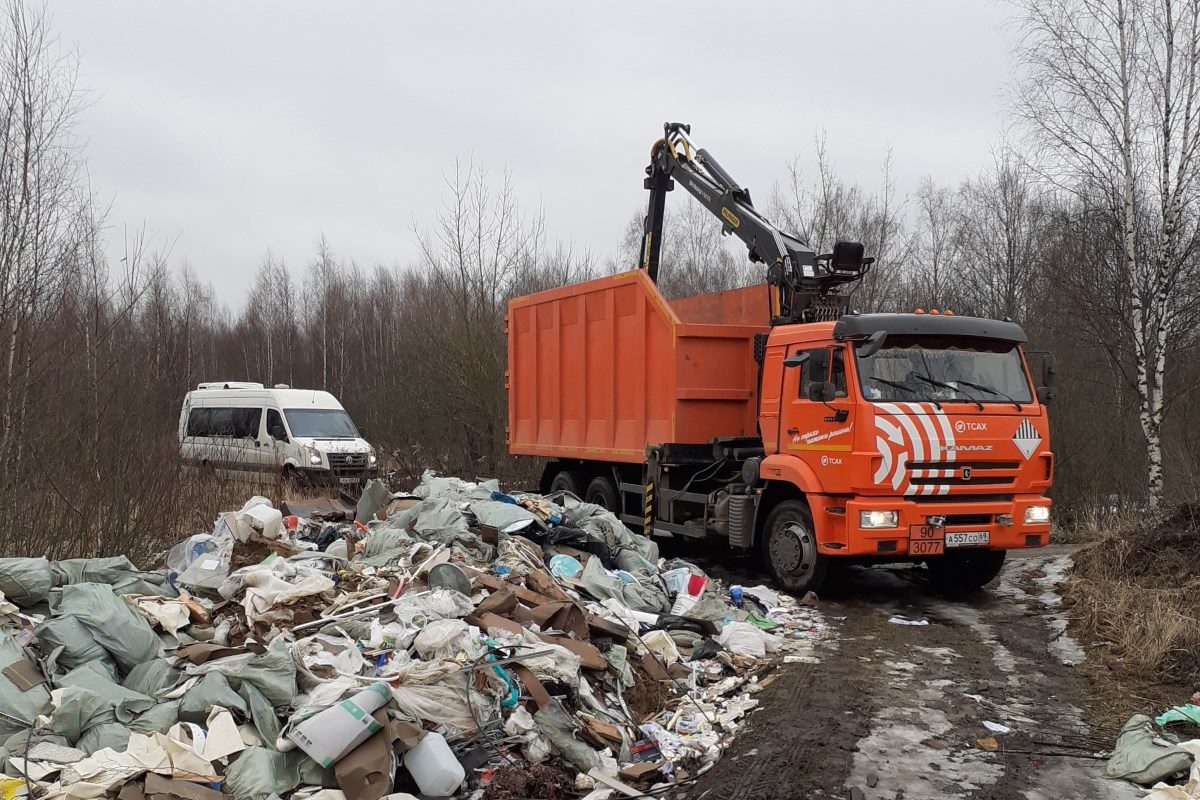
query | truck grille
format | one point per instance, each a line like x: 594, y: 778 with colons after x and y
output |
x: 999, y: 474
x: 348, y: 463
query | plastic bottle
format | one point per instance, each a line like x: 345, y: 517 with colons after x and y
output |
x: 737, y: 596
x: 434, y: 767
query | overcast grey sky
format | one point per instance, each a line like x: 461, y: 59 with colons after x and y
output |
x: 227, y: 128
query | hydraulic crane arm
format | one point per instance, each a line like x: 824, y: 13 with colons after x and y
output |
x: 803, y: 284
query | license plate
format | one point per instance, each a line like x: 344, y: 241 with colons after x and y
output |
x: 967, y: 539
x: 924, y: 540
x: 347, y: 480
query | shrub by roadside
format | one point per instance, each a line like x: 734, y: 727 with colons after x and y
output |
x: 1134, y: 596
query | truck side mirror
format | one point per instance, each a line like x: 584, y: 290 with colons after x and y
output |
x: 816, y: 370
x: 795, y: 359
x: 822, y: 392
x: 817, y: 367
x: 1046, y: 391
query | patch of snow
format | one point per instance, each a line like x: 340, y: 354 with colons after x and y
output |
x: 901, y: 750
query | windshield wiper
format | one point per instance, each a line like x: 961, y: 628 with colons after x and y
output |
x: 943, y: 385
x: 996, y: 392
x: 893, y: 384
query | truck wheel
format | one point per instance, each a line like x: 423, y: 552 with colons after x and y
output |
x: 790, y: 548
x: 958, y: 573
x: 565, y: 480
x: 602, y: 492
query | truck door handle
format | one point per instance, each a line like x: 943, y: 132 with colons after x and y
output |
x: 793, y: 430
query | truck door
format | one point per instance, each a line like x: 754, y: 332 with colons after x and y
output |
x: 818, y: 430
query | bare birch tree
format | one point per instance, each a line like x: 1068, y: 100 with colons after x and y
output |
x: 1110, y: 100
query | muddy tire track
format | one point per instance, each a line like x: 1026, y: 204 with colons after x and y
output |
x: 896, y: 712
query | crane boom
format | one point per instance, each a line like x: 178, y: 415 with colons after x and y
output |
x: 804, y: 286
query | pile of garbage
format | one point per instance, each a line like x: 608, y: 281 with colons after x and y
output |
x: 456, y: 641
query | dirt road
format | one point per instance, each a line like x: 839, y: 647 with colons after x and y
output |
x: 896, y: 711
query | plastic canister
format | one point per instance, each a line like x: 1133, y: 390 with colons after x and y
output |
x: 337, y: 730
x: 434, y: 767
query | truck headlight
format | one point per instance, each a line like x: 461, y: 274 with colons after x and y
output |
x: 1037, y: 515
x: 314, y: 458
x: 878, y: 519
x: 371, y: 459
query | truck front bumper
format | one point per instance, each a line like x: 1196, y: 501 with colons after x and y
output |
x: 1003, y: 520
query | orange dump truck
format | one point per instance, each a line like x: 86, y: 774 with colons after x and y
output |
x: 860, y: 438
x: 777, y: 417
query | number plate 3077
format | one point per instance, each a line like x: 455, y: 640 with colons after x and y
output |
x: 967, y: 539
x: 924, y: 540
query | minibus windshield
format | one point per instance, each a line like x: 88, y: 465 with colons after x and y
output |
x: 320, y: 423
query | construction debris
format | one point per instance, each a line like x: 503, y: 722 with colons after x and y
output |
x: 456, y: 641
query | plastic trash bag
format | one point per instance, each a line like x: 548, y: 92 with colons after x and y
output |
x: 1137, y: 757
x: 444, y: 704
x: 88, y: 719
x: 160, y: 718
x: 212, y: 690
x: 646, y: 595
x: 273, y: 673
x: 375, y: 495
x: 246, y: 521
x: 603, y: 523
x: 18, y: 709
x: 200, y: 561
x: 434, y: 485
x: 125, y: 703
x: 746, y: 639
x: 115, y: 626
x: 25, y: 581
x: 259, y: 773
x: 499, y: 515
x: 262, y: 713
x: 115, y: 571
x: 153, y: 678
x: 444, y: 639
x: 113, y: 735
x: 322, y: 656
x: 554, y: 723
x: 385, y: 545
x: 270, y: 587
x: 78, y: 645
x: 418, y: 610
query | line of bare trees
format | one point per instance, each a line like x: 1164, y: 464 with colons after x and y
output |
x: 1082, y: 226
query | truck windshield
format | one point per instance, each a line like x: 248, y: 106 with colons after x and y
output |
x: 911, y: 368
x: 320, y: 423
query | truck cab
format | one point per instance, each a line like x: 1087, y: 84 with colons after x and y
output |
x: 914, y: 436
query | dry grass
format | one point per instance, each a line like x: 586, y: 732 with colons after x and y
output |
x: 1134, y: 595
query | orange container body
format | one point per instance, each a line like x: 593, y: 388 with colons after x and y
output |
x: 600, y: 369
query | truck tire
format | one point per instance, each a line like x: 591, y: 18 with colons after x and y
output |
x: 565, y: 480
x: 790, y: 548
x: 602, y: 492
x: 967, y: 571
